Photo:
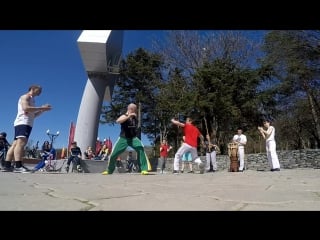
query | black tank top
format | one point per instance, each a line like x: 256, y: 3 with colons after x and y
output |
x: 129, y: 128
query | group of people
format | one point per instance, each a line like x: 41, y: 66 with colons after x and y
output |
x: 27, y: 112
x: 101, y: 154
x: 187, y: 152
x: 23, y: 124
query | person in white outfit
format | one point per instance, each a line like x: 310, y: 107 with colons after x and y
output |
x: 241, y: 140
x: 269, y: 136
x: 211, y: 154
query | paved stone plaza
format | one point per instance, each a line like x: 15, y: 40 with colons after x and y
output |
x: 287, y: 190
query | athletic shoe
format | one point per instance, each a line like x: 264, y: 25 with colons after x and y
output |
x: 6, y: 169
x: 175, y: 172
x: 144, y: 173
x: 27, y: 169
x: 20, y: 170
x: 106, y: 173
x: 79, y: 169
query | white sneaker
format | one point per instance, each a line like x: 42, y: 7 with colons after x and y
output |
x: 20, y: 170
x: 79, y: 169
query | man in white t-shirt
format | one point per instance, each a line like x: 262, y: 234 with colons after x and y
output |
x: 241, y: 140
x: 23, y: 124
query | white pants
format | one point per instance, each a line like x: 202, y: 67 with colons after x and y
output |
x: 211, y: 157
x: 183, y: 149
x: 241, y: 157
x: 272, y: 154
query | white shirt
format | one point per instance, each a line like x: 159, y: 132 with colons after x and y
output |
x: 240, y: 139
x: 25, y: 118
x: 270, y: 134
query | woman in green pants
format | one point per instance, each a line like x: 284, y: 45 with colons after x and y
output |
x: 128, y: 137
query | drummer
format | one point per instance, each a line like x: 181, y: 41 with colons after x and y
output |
x: 241, y: 140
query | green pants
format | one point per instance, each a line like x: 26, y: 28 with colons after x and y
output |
x: 121, y: 145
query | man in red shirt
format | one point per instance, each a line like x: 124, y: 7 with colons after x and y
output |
x: 164, y: 149
x: 191, y: 134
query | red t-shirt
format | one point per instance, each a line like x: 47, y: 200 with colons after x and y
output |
x: 164, y: 150
x: 191, y: 134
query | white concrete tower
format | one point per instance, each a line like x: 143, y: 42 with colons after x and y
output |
x: 101, y: 53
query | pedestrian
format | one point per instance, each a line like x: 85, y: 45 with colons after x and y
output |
x: 23, y: 124
x: 269, y: 135
x: 128, y: 137
x: 191, y: 135
x: 241, y: 140
x: 164, y: 150
x: 211, y: 154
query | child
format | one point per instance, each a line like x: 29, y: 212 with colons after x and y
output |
x: 186, y: 159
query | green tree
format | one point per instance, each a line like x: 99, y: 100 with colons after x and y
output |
x: 227, y: 98
x: 140, y: 75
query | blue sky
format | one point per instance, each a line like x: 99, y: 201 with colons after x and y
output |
x: 51, y: 58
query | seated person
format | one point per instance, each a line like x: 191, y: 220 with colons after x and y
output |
x: 89, y: 154
x: 51, y: 156
x: 4, y: 146
x: 45, y: 149
x: 129, y: 162
x: 47, y: 153
x: 75, y: 157
x: 103, y: 153
x: 119, y: 162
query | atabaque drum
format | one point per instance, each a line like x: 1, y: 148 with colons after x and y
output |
x: 233, y: 155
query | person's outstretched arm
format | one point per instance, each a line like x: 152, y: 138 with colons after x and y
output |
x: 176, y: 122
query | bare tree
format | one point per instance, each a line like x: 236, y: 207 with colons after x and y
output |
x: 190, y: 49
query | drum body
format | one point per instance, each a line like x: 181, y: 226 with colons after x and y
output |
x: 233, y: 155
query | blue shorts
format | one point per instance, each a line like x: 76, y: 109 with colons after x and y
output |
x: 187, y: 157
x: 21, y: 131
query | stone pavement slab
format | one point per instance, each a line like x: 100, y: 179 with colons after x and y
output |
x: 289, y: 189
